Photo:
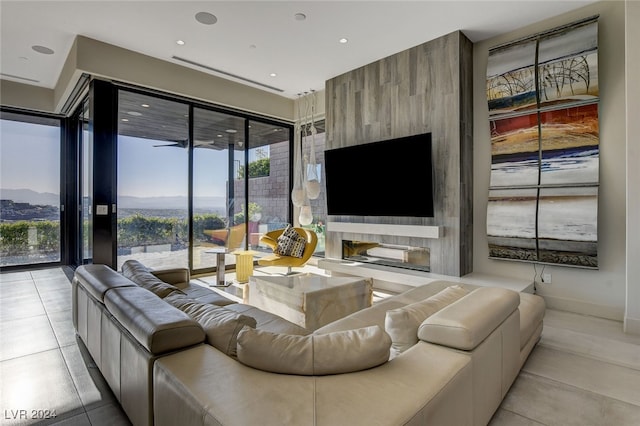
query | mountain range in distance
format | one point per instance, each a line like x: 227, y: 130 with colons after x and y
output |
x: 29, y: 196
x: 124, y: 202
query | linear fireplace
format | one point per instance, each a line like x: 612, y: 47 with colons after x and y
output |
x: 400, y: 256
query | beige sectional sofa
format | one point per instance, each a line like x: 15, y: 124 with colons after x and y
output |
x: 439, y: 354
x: 127, y: 324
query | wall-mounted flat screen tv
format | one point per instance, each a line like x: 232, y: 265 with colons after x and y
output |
x: 387, y: 178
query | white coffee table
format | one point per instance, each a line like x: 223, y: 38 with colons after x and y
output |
x: 310, y: 300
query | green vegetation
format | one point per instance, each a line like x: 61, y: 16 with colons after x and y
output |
x: 258, y: 168
x: 141, y: 231
x: 24, y: 237
x: 255, y: 212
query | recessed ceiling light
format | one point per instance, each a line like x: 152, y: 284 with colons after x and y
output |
x: 273, y: 74
x: 145, y: 105
x: 232, y: 131
x: 343, y: 40
x: 206, y: 18
x: 42, y: 49
x: 134, y: 113
x: 219, y: 136
x: 180, y: 42
x: 125, y: 119
x: 300, y: 16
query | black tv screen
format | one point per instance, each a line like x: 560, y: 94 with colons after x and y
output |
x: 387, y: 178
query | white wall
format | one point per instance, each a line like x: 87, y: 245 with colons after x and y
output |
x: 594, y: 292
x: 632, y: 313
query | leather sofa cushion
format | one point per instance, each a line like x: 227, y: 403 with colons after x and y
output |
x: 267, y: 321
x: 532, y: 309
x: 220, y: 324
x: 141, y: 275
x: 402, y: 323
x: 158, y: 326
x: 464, y: 324
x: 203, y: 294
x: 98, y: 279
x: 314, y: 354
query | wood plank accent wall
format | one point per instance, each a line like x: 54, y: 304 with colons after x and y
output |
x: 427, y: 88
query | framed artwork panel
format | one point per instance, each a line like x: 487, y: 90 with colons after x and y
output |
x: 570, y: 145
x: 511, y: 223
x: 542, y: 94
x: 568, y: 226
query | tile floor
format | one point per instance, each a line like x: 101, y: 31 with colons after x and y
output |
x: 585, y: 371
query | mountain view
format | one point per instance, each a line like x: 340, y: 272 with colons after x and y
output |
x: 29, y: 196
x: 125, y: 202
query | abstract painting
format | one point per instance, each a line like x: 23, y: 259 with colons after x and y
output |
x: 542, y: 94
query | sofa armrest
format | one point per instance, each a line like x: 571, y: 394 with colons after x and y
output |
x: 178, y: 277
x: 467, y: 322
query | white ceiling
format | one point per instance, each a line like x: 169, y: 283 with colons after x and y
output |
x: 252, y: 39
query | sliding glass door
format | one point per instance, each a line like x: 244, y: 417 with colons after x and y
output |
x: 218, y: 225
x: 187, y: 182
x: 30, y: 189
x: 153, y: 170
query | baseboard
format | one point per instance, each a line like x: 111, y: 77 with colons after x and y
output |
x: 632, y: 326
x: 585, y: 308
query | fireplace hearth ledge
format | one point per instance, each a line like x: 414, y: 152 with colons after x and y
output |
x: 407, y: 277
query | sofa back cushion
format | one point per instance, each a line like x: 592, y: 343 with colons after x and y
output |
x: 220, y: 324
x: 141, y: 275
x: 156, y: 325
x: 402, y: 323
x: 314, y: 354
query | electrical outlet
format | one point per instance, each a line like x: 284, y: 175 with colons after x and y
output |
x: 546, y: 278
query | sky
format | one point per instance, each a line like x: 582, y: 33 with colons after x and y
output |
x: 29, y: 158
x: 164, y: 169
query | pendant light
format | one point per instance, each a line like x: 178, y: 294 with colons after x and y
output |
x: 305, y: 217
x: 312, y: 181
x: 298, y: 195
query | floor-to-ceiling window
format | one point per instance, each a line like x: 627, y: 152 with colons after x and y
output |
x: 29, y: 189
x: 218, y: 154
x: 149, y: 176
x: 187, y: 182
x: 268, y: 172
x: 152, y: 188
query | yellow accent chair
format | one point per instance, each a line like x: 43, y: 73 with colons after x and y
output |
x: 270, y: 239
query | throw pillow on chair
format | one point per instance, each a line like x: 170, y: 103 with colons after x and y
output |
x: 290, y: 243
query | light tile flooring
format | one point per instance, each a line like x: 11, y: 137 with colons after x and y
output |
x: 585, y: 371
